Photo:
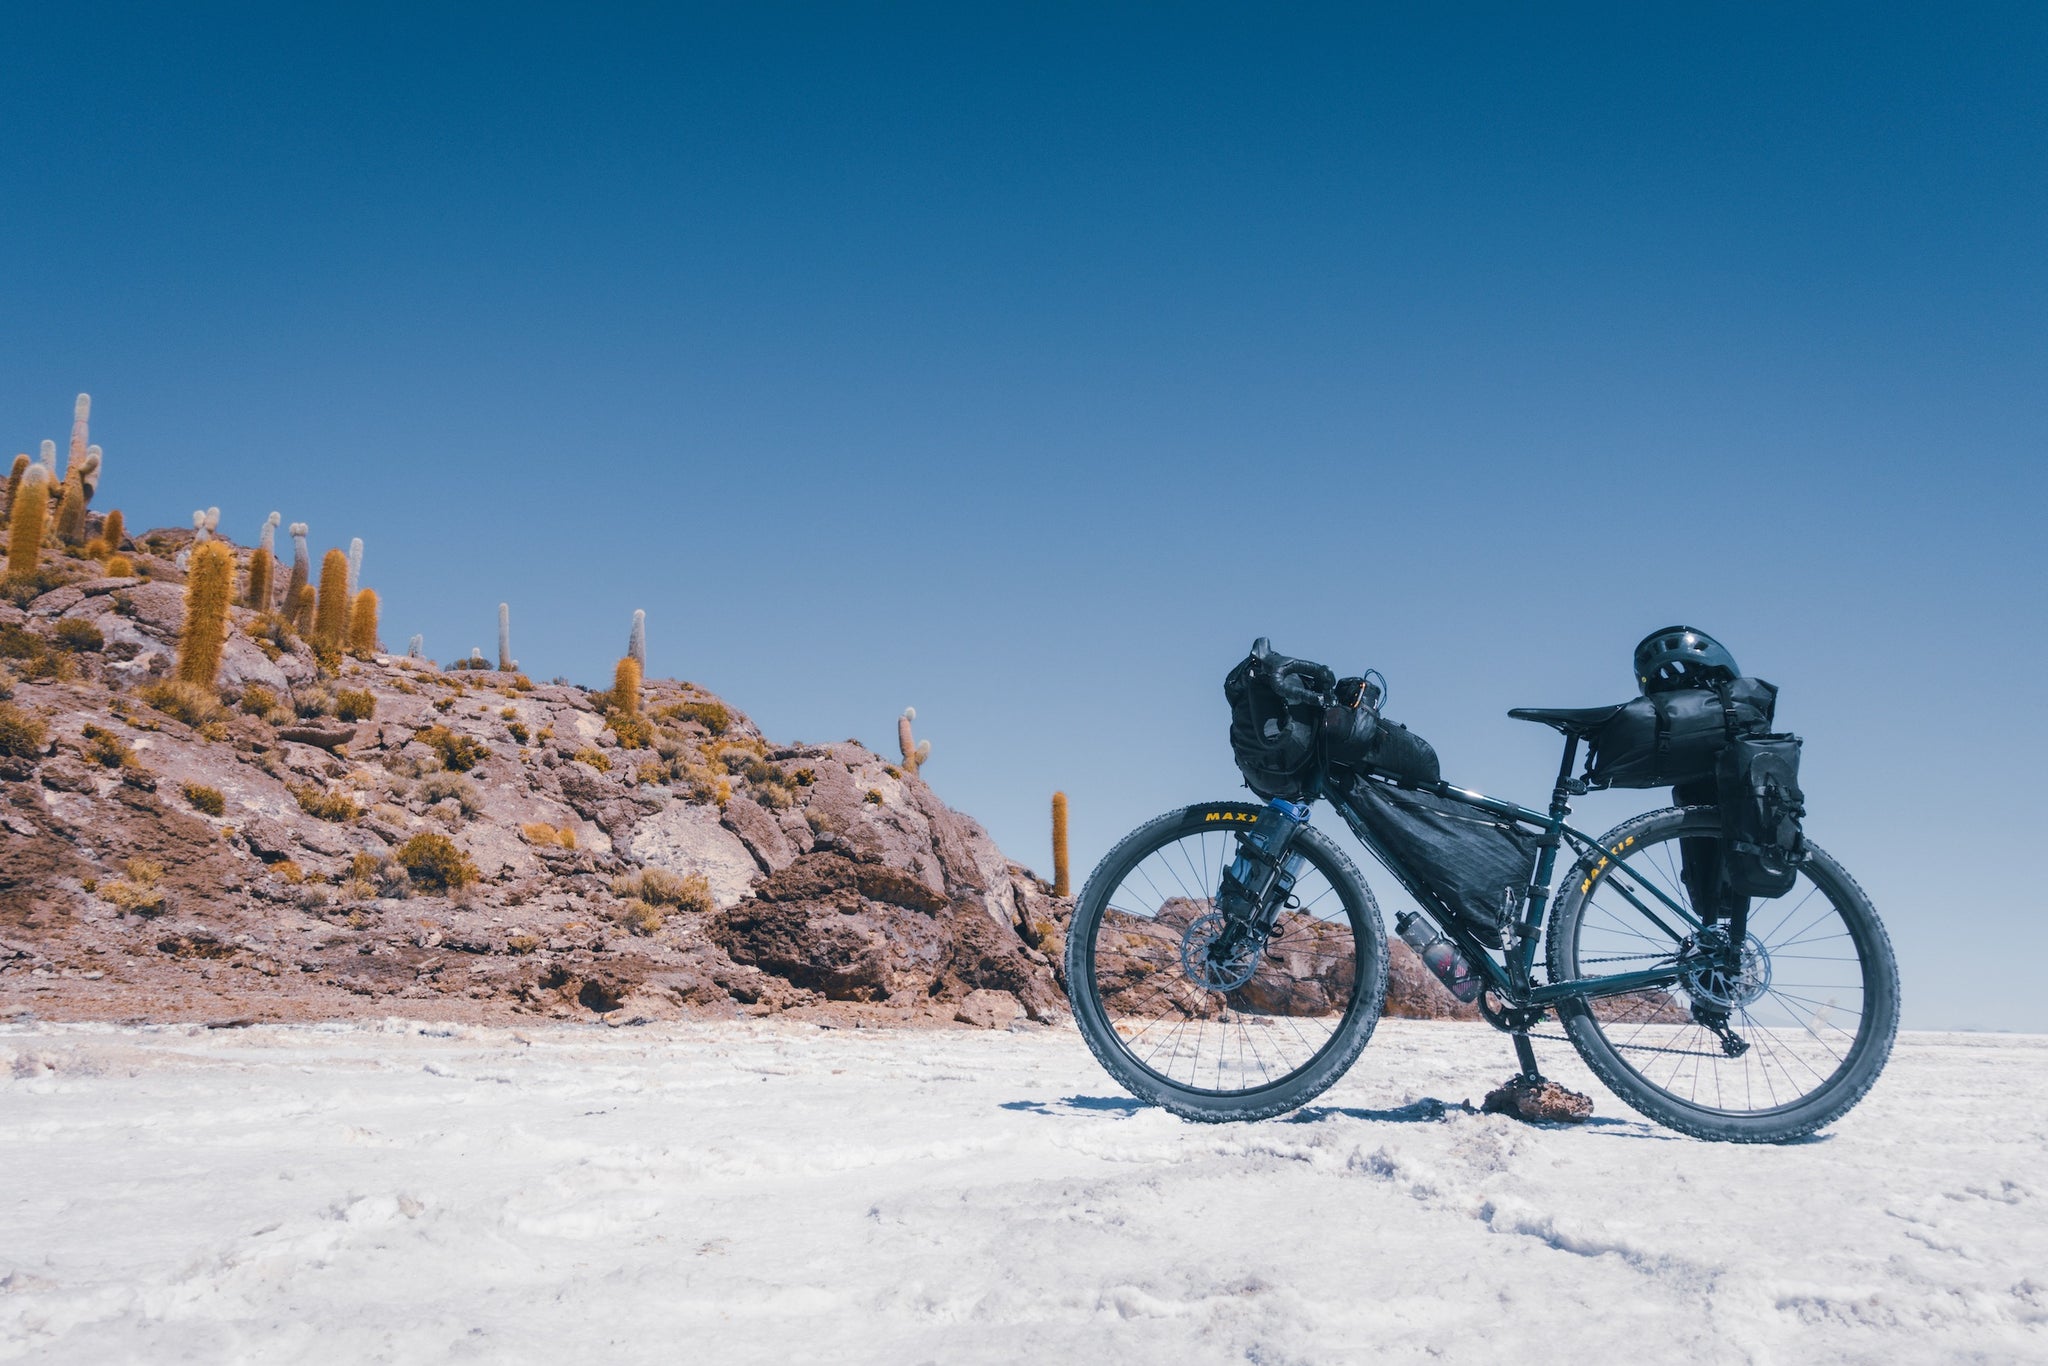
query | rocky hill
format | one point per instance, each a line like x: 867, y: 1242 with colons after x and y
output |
x: 326, y: 828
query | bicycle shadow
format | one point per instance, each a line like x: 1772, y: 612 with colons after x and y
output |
x: 1125, y: 1105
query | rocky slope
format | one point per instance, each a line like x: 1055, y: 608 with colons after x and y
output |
x: 378, y: 835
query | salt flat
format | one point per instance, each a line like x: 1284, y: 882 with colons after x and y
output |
x: 773, y: 1192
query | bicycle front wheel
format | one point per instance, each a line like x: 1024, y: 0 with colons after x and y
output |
x: 1773, y: 1051
x: 1248, y: 1039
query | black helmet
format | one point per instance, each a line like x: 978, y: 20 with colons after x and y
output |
x: 1681, y: 657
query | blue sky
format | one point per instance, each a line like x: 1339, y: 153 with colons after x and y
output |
x: 1024, y: 363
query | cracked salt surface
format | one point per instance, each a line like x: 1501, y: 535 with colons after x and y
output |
x: 775, y: 1192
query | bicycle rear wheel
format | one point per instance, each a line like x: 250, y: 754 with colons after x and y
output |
x: 1768, y: 1053
x: 1258, y: 1037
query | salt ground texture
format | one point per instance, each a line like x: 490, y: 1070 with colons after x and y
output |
x: 772, y: 1192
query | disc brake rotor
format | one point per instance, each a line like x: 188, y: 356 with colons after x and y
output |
x: 1733, y: 990
x: 1205, y: 968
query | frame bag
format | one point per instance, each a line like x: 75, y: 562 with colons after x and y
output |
x: 1762, y: 843
x: 1476, y: 864
x: 1676, y: 737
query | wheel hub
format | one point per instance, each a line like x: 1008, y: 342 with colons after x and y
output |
x: 1717, y: 984
x: 1212, y: 970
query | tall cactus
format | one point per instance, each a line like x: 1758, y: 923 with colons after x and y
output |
x: 48, y: 456
x: 1060, y: 885
x: 262, y: 565
x: 201, y: 533
x: 298, y: 609
x: 636, y: 643
x: 355, y: 565
x: 915, y: 751
x: 330, y: 615
x: 14, y: 478
x: 626, y: 686
x: 506, y: 663
x: 71, y: 510
x: 302, y: 567
x: 25, y: 524
x: 81, y: 412
x: 113, y: 531
x: 416, y: 647
x: 95, y: 467
x: 362, y: 624
x: 209, y: 588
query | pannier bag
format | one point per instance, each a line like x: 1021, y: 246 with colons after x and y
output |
x: 1762, y: 843
x: 1275, y: 723
x: 1675, y: 737
x: 1477, y: 865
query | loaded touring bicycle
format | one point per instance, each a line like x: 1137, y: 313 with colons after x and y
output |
x: 1714, y: 968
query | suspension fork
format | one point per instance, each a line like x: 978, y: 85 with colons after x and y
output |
x: 1258, y: 882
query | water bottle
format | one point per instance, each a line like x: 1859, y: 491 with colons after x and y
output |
x: 1440, y: 956
x: 1250, y: 879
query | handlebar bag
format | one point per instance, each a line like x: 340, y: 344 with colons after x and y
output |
x: 1276, y: 713
x: 1477, y: 865
x: 1762, y: 839
x: 1677, y: 737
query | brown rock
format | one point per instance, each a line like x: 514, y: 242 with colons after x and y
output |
x: 986, y: 1009
x: 1539, y: 1102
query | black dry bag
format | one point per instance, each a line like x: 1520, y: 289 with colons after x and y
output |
x: 1275, y: 720
x: 1762, y: 843
x: 1675, y: 737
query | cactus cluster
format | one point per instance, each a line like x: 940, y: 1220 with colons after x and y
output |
x: 915, y: 751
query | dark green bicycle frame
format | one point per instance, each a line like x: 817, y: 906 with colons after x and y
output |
x: 1509, y: 975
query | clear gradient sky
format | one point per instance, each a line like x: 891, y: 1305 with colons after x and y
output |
x: 1023, y: 363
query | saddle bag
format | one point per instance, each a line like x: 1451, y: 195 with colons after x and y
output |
x: 1274, y: 736
x: 1676, y: 737
x: 1762, y: 840
x: 1477, y: 865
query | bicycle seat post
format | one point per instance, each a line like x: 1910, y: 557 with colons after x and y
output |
x: 1567, y: 786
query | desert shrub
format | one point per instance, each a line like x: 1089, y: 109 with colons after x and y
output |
x: 208, y: 800
x: 22, y: 734
x: 7, y: 682
x: 634, y: 731
x: 594, y: 757
x: 308, y: 703
x: 289, y: 871
x: 107, y: 749
x: 651, y: 774
x: 440, y: 786
x: 434, y: 861
x: 641, y: 918
x: 713, y: 716
x: 517, y: 731
x: 873, y: 797
x: 444, y: 705
x: 192, y: 703
x: 393, y: 880
x: 355, y: 704
x: 458, y: 753
x: 357, y: 889
x: 258, y: 700
x: 660, y: 887
x: 137, y: 892
x: 508, y: 714
x: 326, y: 806
x: 79, y: 637
x: 540, y: 832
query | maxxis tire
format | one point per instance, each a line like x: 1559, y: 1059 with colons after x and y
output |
x: 1834, y: 1098
x: 1293, y: 1091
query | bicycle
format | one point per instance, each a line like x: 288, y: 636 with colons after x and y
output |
x: 1227, y: 962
